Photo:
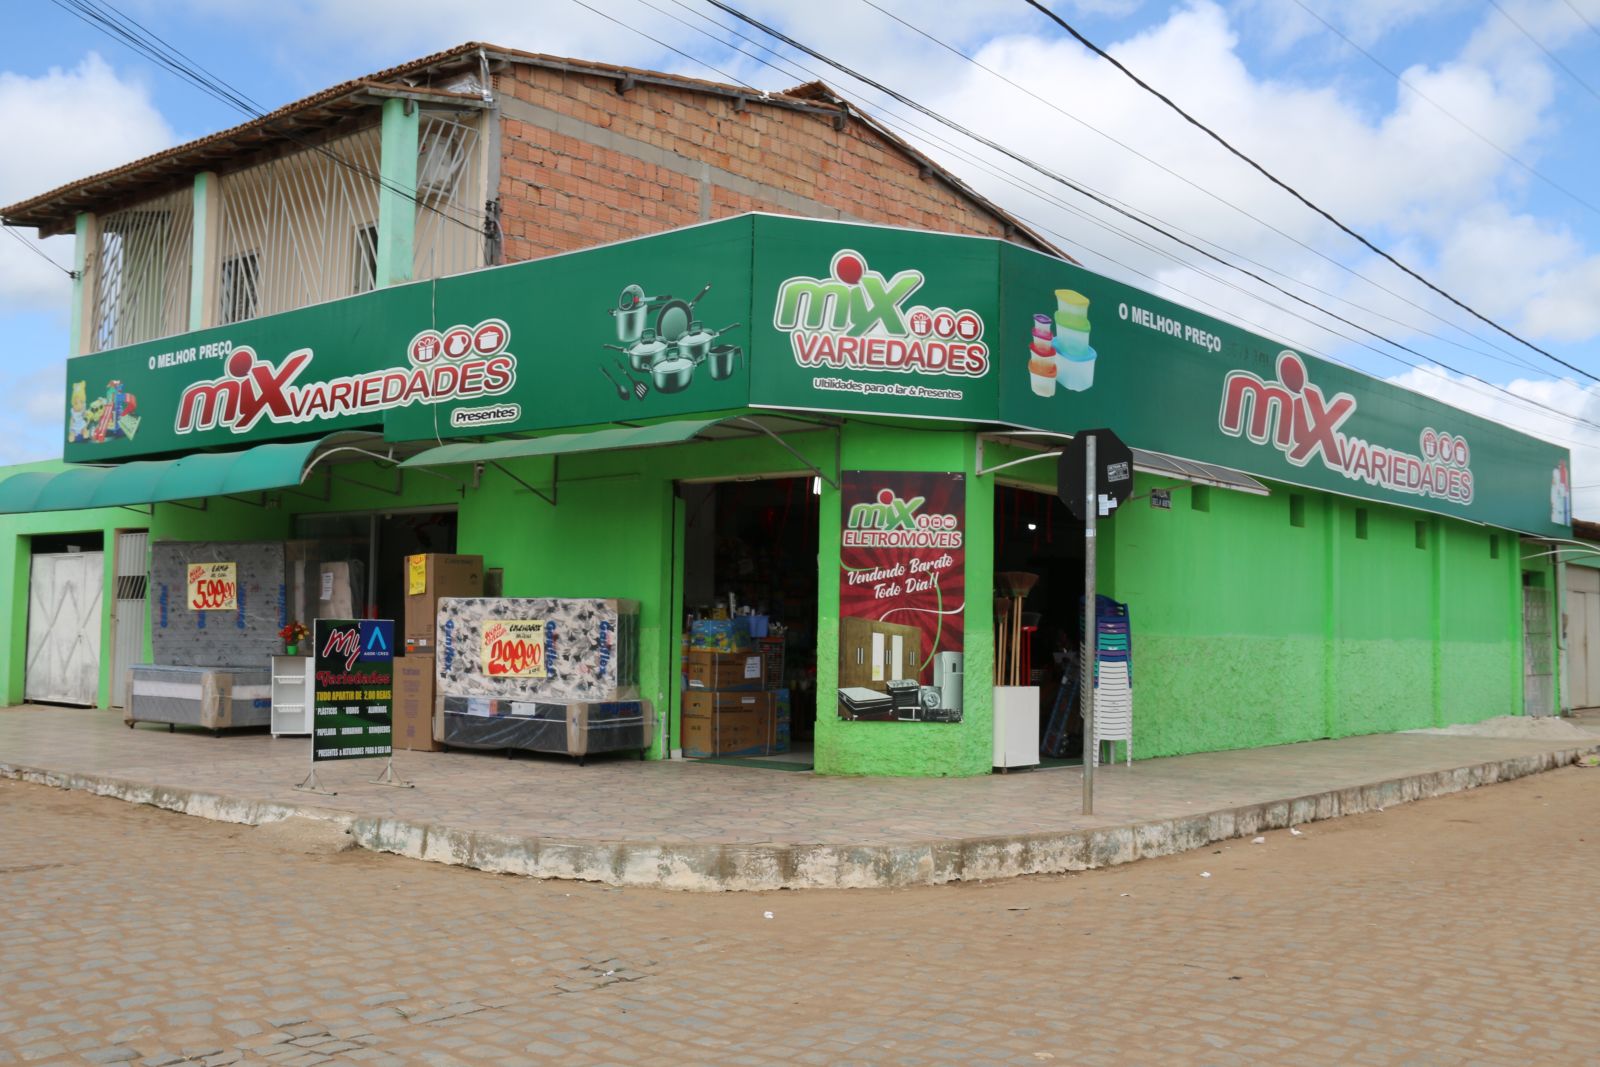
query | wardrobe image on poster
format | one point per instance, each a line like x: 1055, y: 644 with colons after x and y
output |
x: 902, y: 595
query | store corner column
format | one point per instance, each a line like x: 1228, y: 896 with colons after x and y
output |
x: 397, y: 206
x: 204, y: 271
x: 911, y: 749
x: 80, y: 326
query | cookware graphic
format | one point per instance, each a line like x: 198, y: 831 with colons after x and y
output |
x: 673, y: 374
x: 673, y: 320
x: 640, y: 389
x: 633, y: 311
x: 696, y: 341
x: 622, y: 394
x: 643, y: 352
x: 720, y: 361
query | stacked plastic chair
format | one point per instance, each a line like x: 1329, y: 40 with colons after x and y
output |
x: 1113, y: 677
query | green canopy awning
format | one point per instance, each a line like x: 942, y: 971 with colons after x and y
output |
x: 663, y: 433
x: 155, y: 481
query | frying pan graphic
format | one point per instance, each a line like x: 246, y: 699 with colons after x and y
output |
x: 672, y: 322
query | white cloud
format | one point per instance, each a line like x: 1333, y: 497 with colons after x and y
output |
x: 63, y: 125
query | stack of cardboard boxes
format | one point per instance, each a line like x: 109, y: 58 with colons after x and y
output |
x: 733, y: 703
x: 429, y: 578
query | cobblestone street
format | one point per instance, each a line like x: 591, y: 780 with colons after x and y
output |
x: 1457, y: 930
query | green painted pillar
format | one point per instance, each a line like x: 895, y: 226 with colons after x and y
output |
x: 78, y: 327
x: 204, y: 270
x: 1437, y: 532
x: 397, y: 209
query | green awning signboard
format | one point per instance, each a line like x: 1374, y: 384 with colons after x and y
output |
x: 204, y: 474
x: 667, y: 433
x: 790, y: 314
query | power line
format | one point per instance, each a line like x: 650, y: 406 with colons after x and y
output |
x: 36, y: 250
x: 1582, y: 17
x: 1524, y: 402
x: 1551, y: 182
x: 1286, y: 187
x: 1540, y: 46
x: 657, y: 41
x: 109, y: 20
x: 1226, y: 203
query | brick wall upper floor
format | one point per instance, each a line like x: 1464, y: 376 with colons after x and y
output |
x: 583, y: 162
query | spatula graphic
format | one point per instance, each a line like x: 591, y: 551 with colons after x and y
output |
x: 640, y: 389
x: 622, y: 394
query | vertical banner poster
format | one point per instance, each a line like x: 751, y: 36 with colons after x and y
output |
x: 354, y: 692
x: 902, y: 594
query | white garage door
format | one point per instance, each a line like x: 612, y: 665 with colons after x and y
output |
x: 64, y: 591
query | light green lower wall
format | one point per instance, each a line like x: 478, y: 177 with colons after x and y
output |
x: 1248, y: 630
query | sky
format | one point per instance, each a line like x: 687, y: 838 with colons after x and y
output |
x: 1457, y: 135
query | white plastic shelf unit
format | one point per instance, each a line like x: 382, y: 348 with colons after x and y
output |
x: 293, y: 684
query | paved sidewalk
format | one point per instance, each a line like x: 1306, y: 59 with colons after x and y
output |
x: 696, y: 826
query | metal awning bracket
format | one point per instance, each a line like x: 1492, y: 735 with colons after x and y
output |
x: 555, y: 480
x: 327, y: 488
x: 180, y: 504
x: 833, y: 482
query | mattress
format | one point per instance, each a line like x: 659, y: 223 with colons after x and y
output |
x: 208, y: 697
x: 589, y: 648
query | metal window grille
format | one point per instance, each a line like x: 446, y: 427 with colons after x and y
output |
x: 241, y: 287
x: 366, y: 259
x: 285, y: 226
x: 142, y: 268
x: 450, y: 216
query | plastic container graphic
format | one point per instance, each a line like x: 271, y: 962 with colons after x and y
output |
x: 1072, y: 343
x: 1071, y: 302
x: 1042, y: 375
x: 1075, y: 373
x: 1042, y: 346
x: 1041, y: 326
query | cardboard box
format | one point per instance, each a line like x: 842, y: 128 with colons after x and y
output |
x: 427, y: 579
x: 735, y: 724
x: 413, y: 704
x: 726, y: 671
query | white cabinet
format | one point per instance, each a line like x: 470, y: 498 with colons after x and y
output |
x: 293, y: 683
x: 1016, y: 726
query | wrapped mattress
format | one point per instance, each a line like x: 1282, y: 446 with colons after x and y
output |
x: 214, y: 698
x: 245, y: 635
x: 538, y: 648
x: 577, y: 729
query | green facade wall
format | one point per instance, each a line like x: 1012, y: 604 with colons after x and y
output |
x: 1249, y: 629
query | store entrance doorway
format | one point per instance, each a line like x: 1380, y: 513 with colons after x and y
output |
x: 750, y: 616
x: 1039, y: 544
x: 372, y: 548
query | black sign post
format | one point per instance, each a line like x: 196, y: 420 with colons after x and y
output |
x: 1094, y: 475
x: 353, y: 695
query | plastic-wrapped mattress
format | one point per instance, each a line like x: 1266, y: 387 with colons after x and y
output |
x: 590, y: 648
x: 213, y: 698
x: 578, y: 729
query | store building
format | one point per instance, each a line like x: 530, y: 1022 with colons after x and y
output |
x: 845, y: 422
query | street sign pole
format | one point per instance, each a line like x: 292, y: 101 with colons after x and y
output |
x: 1091, y: 509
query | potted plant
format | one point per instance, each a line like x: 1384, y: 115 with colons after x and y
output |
x: 292, y: 635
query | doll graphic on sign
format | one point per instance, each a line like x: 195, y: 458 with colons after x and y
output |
x: 78, y: 419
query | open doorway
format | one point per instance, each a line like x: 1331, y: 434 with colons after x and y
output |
x: 1035, y: 534
x: 750, y: 605
x: 366, y: 552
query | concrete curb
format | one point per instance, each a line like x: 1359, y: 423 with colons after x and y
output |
x: 716, y: 866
